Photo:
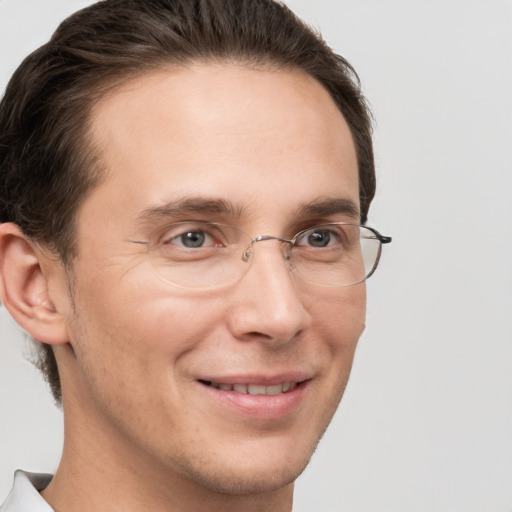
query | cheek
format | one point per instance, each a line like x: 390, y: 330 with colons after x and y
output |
x: 152, y: 325
x: 129, y: 343
x: 138, y: 326
x: 340, y: 320
x: 340, y: 315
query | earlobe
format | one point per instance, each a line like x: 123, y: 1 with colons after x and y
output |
x: 24, y: 287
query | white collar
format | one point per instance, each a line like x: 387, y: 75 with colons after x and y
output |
x: 24, y: 496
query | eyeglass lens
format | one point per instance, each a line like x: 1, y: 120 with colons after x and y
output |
x: 208, y: 255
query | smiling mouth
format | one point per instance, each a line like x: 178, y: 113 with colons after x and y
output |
x: 254, y: 389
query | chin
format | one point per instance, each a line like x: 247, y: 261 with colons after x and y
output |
x: 236, y: 481
x: 261, y: 469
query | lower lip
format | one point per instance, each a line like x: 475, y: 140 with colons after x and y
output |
x: 264, y: 407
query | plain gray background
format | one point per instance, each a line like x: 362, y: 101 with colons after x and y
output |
x: 426, y: 422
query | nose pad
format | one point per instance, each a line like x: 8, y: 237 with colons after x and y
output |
x: 248, y: 254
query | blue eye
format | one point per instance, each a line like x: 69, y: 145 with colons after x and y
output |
x: 319, y: 238
x: 191, y: 239
x: 191, y: 236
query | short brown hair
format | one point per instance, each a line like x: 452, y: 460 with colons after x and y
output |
x: 47, y: 163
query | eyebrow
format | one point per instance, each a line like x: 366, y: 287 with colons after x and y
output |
x: 190, y: 205
x: 318, y: 207
x: 330, y: 206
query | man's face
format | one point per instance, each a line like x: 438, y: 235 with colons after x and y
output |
x: 268, y: 144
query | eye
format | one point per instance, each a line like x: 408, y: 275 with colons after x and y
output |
x: 318, y: 237
x: 192, y: 237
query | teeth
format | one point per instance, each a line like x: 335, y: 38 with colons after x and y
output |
x: 256, y: 389
x: 276, y: 390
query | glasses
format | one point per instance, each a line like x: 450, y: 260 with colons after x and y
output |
x: 209, y: 255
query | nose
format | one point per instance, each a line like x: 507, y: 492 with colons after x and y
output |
x: 267, y: 305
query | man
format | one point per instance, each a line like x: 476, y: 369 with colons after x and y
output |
x: 183, y: 185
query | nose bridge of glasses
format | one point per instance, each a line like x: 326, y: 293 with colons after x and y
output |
x: 263, y: 238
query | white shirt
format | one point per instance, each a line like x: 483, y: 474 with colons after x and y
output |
x: 24, y: 496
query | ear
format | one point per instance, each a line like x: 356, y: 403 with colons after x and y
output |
x: 24, y: 286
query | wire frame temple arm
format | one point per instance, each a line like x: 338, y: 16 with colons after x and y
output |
x: 382, y: 239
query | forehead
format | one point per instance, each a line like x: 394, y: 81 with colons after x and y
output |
x: 227, y: 131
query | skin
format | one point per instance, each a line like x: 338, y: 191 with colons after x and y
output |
x: 141, y: 431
